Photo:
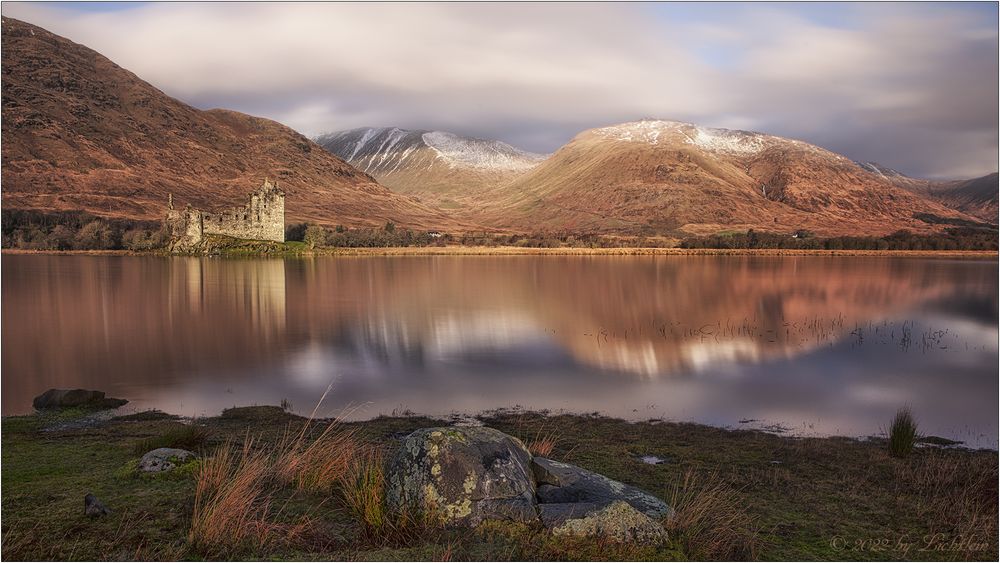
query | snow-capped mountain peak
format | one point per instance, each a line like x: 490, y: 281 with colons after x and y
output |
x: 385, y: 149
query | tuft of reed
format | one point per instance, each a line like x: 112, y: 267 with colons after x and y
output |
x: 233, y: 505
x: 902, y: 433
x: 543, y: 444
x: 363, y: 489
x: 187, y: 437
x: 318, y: 463
x: 711, y: 522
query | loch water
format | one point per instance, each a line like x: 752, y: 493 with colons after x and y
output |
x: 808, y: 345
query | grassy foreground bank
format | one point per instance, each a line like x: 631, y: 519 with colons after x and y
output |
x: 739, y: 494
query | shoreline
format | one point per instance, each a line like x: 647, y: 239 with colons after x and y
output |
x: 778, y: 430
x: 526, y: 251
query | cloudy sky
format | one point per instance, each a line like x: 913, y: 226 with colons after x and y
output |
x: 912, y: 86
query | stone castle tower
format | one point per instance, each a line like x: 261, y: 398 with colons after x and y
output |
x: 262, y: 218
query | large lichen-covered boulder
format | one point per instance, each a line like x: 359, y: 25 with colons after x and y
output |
x: 561, y: 483
x: 462, y: 476
x: 62, y: 398
x: 618, y: 522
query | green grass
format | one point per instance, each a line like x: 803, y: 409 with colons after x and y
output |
x: 188, y: 437
x: 830, y: 498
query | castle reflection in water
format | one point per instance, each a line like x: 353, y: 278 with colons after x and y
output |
x: 631, y: 336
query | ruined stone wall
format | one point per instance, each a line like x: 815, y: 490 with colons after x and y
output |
x: 262, y: 218
x: 185, y: 227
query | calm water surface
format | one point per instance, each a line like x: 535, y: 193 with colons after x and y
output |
x: 816, y: 345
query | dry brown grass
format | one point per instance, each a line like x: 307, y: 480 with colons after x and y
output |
x: 316, y: 464
x: 543, y: 444
x: 234, y: 494
x: 958, y: 494
x: 711, y: 522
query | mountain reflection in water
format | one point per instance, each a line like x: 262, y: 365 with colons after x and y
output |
x: 819, y: 344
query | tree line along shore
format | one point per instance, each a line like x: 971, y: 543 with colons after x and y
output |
x: 78, y: 231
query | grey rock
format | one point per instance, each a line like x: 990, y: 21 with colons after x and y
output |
x: 62, y: 398
x: 618, y: 522
x: 564, y: 483
x: 164, y: 459
x: 462, y: 476
x: 93, y: 507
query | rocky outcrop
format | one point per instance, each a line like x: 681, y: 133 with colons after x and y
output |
x: 466, y: 475
x: 164, y: 459
x: 463, y: 476
x: 561, y: 483
x: 62, y: 398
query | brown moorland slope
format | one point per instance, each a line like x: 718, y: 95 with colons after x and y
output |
x: 976, y: 196
x: 82, y: 133
x: 666, y: 176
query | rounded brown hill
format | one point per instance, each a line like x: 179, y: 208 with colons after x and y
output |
x: 672, y: 177
x: 80, y: 132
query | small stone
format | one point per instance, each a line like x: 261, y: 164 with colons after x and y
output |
x: 164, y: 459
x: 93, y: 507
x: 618, y: 522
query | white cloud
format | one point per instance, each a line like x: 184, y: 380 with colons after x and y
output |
x: 535, y: 74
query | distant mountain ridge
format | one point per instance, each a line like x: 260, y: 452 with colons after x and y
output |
x: 449, y: 170
x: 975, y: 196
x: 82, y: 133
x: 667, y: 176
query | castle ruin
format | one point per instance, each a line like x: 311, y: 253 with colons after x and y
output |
x: 263, y: 218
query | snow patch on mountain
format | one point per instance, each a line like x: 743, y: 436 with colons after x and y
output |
x: 727, y: 141
x: 645, y: 131
x: 457, y: 150
x: 382, y: 150
x: 655, y: 131
x: 878, y: 169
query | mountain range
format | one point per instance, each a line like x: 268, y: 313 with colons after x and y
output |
x: 650, y: 176
x: 81, y: 133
